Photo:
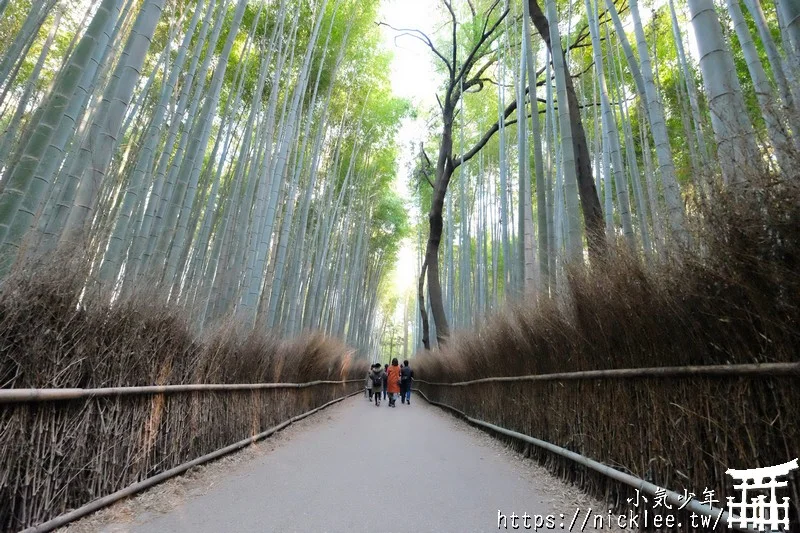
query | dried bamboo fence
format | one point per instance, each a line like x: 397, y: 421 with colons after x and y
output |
x: 679, y: 428
x: 63, y: 448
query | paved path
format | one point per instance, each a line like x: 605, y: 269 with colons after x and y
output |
x: 365, y: 468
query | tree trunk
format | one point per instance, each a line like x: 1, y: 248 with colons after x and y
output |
x: 525, y: 224
x: 778, y: 136
x: 592, y: 212
x: 117, y: 243
x: 611, y: 132
x: 569, y: 162
x: 102, y: 147
x: 790, y: 12
x: 738, y: 154
x: 691, y: 89
x: 21, y: 183
x: 655, y: 111
x: 541, y: 188
x: 776, y: 63
x: 616, y: 72
x: 444, y: 170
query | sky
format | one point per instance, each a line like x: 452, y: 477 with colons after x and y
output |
x: 413, y: 77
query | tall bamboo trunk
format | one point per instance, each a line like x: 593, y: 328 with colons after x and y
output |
x: 737, y: 151
x: 590, y: 203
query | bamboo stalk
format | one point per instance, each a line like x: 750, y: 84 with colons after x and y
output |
x: 746, y: 370
x: 45, y: 395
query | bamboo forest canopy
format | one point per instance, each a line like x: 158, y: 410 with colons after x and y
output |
x: 234, y: 155
x: 640, y: 109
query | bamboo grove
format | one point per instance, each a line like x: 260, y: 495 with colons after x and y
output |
x: 640, y: 110
x: 234, y: 156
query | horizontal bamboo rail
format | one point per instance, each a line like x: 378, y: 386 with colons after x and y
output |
x: 676, y: 499
x: 105, y: 501
x: 50, y: 395
x: 746, y: 370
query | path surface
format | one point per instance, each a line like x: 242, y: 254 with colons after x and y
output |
x: 366, y: 468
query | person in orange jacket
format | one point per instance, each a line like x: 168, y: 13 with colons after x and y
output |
x: 393, y: 382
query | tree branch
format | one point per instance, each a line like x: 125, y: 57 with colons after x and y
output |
x: 428, y: 163
x: 455, y: 37
x: 469, y: 62
x: 584, y: 71
x: 514, y: 121
x: 419, y: 35
x: 427, y: 178
x: 425, y: 155
x: 456, y: 162
x: 477, y: 79
x: 476, y: 82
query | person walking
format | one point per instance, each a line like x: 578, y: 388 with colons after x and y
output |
x: 393, y: 382
x: 385, y: 375
x: 376, y: 376
x: 368, y: 384
x: 406, y: 375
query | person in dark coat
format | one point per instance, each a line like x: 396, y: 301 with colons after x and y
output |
x: 406, y: 376
x: 385, y: 376
x: 377, y: 377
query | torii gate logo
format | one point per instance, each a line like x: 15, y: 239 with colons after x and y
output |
x: 760, y: 512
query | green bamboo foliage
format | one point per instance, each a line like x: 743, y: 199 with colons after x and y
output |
x: 210, y: 150
x: 650, y: 118
x: 237, y: 156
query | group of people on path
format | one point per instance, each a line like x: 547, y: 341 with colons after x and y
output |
x: 394, y: 380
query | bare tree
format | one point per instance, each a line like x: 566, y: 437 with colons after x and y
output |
x: 467, y: 74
